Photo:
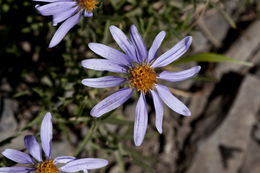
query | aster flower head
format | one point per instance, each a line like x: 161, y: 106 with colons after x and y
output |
x: 140, y: 65
x: 69, y: 11
x: 37, y: 164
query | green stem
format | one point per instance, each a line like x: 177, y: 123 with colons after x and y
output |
x: 86, y: 139
x: 119, y: 158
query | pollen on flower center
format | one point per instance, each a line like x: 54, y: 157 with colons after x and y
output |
x: 88, y: 5
x: 46, y: 167
x: 143, y: 78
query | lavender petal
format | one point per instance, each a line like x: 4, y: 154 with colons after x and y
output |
x: 33, y: 147
x: 83, y: 164
x: 63, y: 159
x: 111, y: 102
x: 103, y: 65
x: 51, y: 0
x: 16, y: 169
x: 17, y: 156
x: 59, y: 17
x: 155, y: 46
x: 110, y: 53
x: 87, y: 14
x: 174, y: 53
x: 55, y: 7
x: 171, y: 101
x: 141, y: 120
x: 124, y: 43
x: 179, y: 76
x: 64, y: 29
x: 158, y: 111
x: 138, y: 42
x: 103, y: 82
x: 46, y: 134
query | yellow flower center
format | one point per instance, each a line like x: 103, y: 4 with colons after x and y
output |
x: 143, y: 78
x: 88, y: 5
x: 47, y: 167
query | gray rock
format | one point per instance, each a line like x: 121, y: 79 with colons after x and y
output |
x: 252, y: 158
x: 243, y: 49
x: 8, y: 124
x: 199, y: 42
x: 225, y: 149
x: 217, y: 25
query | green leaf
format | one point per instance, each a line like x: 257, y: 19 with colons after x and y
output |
x: 22, y: 93
x: 211, y: 57
x: 119, y: 160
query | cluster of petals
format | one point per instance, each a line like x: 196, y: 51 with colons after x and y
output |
x: 135, y: 52
x: 69, y: 163
x: 68, y: 11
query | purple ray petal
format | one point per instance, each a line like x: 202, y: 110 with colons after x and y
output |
x: 87, y: 14
x: 158, y: 111
x: 59, y: 17
x: 17, y: 156
x: 155, y: 46
x: 16, y: 169
x: 109, y: 53
x: 46, y: 134
x: 103, y: 65
x: 33, y: 147
x: 123, y: 42
x: 103, y: 82
x: 174, y: 53
x: 64, y: 159
x: 111, y: 102
x: 138, y: 42
x: 83, y: 164
x: 85, y: 171
x: 179, y: 76
x: 141, y: 120
x: 51, y: 0
x: 55, y: 7
x: 64, y: 29
x: 171, y: 101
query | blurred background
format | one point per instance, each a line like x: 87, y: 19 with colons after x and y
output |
x: 221, y: 136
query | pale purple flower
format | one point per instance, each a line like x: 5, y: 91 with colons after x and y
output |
x: 138, y: 65
x: 35, y: 162
x: 69, y: 11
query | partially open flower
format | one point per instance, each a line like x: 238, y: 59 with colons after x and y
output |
x: 37, y: 164
x: 69, y: 11
x: 140, y: 65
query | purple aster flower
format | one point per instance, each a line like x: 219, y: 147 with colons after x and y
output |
x: 49, y: 165
x: 68, y: 10
x: 140, y: 66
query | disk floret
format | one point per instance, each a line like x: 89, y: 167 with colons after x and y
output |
x: 47, y: 167
x: 143, y: 78
x: 88, y: 5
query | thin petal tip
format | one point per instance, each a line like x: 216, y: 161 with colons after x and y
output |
x: 160, y: 130
x: 186, y: 112
x: 52, y: 44
x: 83, y: 82
x: 198, y: 68
x: 188, y: 40
x: 94, y: 114
x: 84, y: 63
x: 138, y: 141
x: 48, y: 115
